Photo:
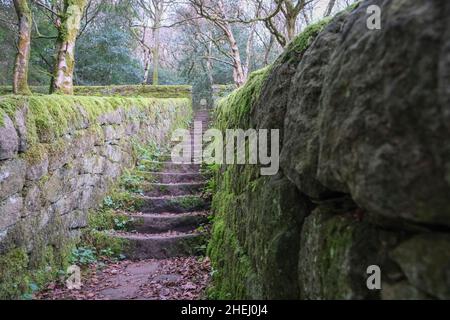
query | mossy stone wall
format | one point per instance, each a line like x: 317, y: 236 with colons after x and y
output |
x: 58, y: 157
x: 363, y: 175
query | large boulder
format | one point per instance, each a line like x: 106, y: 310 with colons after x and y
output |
x: 300, y: 153
x: 369, y: 114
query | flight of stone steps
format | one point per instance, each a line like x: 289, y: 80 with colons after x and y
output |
x: 173, y: 209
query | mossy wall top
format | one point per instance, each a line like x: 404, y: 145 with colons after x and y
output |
x: 148, y: 91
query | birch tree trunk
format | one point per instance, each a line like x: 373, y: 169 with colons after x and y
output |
x: 20, y: 77
x: 147, y: 66
x: 159, y: 7
x: 249, y: 50
x: 239, y: 73
x: 67, y: 36
x: 147, y: 56
x: 156, y: 57
x: 209, y: 64
x: 329, y: 8
x: 218, y: 17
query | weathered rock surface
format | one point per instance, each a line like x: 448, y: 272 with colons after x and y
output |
x: 364, y: 116
x: 12, y: 177
x: 370, y: 123
x: 335, y: 253
x: 425, y: 260
x: 300, y: 153
x: 384, y: 129
x: 10, y: 211
x: 9, y: 141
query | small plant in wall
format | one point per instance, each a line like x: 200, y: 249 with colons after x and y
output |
x: 131, y: 182
x: 83, y: 256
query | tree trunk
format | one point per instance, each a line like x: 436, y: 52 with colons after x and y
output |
x: 268, y: 50
x: 329, y: 8
x: 147, y: 59
x: 20, y: 78
x: 209, y: 64
x: 291, y: 22
x: 159, y: 11
x: 239, y: 73
x: 67, y: 36
x: 156, y: 57
x: 249, y: 50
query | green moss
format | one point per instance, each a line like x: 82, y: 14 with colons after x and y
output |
x: 52, y: 116
x: 107, y: 219
x: 123, y: 200
x: 331, y: 245
x: 233, y: 111
x: 2, y: 118
x: 14, y: 280
x: 158, y: 92
x: 36, y: 154
x: 102, y: 240
x: 6, y: 90
x: 299, y: 45
x: 188, y: 202
x: 232, y: 270
x: 176, y: 91
x: 22, y: 272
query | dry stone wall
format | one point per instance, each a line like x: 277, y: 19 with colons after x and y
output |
x: 59, y: 155
x: 364, y: 178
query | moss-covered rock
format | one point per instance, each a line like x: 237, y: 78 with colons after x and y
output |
x: 13, y: 267
x: 9, y: 141
x: 12, y: 177
x: 425, y: 260
x: 335, y: 253
x: 364, y: 140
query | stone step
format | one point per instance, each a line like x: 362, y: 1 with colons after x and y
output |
x: 172, y: 177
x: 193, y: 146
x: 180, y: 204
x: 160, y: 223
x: 168, y: 158
x: 173, y: 167
x: 172, y: 189
x: 161, y: 246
